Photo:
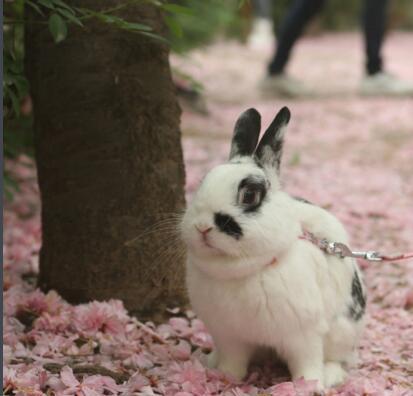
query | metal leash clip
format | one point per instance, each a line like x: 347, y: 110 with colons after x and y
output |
x: 341, y: 250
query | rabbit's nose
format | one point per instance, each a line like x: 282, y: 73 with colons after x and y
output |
x: 203, y: 229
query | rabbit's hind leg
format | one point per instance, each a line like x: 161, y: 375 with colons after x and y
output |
x: 340, y: 343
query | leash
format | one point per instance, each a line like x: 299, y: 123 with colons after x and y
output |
x: 341, y: 250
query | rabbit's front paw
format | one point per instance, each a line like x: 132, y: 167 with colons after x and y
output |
x: 233, y: 357
x: 212, y: 360
x: 305, y: 359
x: 234, y: 368
x: 334, y: 374
x: 311, y: 373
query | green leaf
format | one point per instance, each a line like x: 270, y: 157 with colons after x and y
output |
x: 14, y: 100
x: 174, y: 26
x: 57, y: 27
x: 10, y: 185
x: 7, y: 79
x: 69, y: 16
x: 10, y: 152
x: 195, y: 84
x: 177, y: 9
x: 82, y: 11
x: 157, y: 3
x: 8, y: 193
x: 105, y: 18
x: 155, y: 37
x: 46, y: 3
x: 133, y: 26
x: 21, y: 85
x: 242, y: 3
x: 35, y: 7
x: 62, y: 4
x: 121, y: 23
x: 11, y: 64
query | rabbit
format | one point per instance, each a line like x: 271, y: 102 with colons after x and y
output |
x: 250, y: 277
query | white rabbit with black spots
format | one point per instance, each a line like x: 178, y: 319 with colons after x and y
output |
x: 252, y: 279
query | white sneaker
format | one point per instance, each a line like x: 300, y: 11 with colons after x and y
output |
x: 385, y: 84
x: 261, y: 34
x: 283, y: 85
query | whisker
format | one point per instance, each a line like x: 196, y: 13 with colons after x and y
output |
x: 166, y: 226
x: 171, y: 252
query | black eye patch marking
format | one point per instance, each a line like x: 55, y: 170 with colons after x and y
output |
x: 228, y: 225
x: 251, y: 193
x: 358, y: 305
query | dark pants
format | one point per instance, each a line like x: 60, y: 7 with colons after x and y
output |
x: 302, y: 11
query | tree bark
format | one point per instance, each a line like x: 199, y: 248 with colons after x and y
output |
x: 109, y: 160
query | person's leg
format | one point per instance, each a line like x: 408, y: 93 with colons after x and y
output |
x: 262, y: 8
x: 377, y: 82
x: 300, y: 13
x: 374, y: 26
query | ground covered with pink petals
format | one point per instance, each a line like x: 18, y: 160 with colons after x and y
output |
x: 349, y: 154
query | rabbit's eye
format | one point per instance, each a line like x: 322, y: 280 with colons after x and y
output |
x: 251, y: 193
x: 250, y: 197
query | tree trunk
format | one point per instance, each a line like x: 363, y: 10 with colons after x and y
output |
x: 109, y: 162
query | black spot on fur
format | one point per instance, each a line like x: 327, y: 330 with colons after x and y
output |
x: 254, y: 184
x: 358, y: 305
x: 228, y: 225
x: 303, y: 200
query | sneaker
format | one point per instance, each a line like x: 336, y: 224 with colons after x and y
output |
x: 261, y: 35
x: 283, y: 85
x: 385, y: 84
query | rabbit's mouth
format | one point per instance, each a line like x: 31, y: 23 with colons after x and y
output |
x: 203, y: 234
x: 207, y: 245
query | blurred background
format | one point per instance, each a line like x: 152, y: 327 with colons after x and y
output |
x: 220, y: 52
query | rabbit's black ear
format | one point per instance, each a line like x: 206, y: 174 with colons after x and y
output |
x: 246, y: 132
x: 269, y: 150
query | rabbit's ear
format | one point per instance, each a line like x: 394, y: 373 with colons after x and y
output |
x: 269, y: 150
x: 246, y: 132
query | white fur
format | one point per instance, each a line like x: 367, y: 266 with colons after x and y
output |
x: 298, y: 306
